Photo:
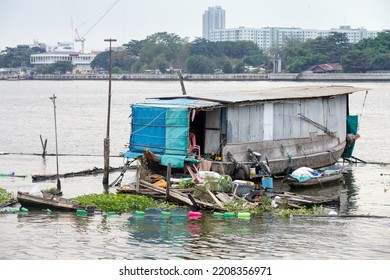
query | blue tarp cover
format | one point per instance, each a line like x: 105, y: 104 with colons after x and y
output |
x: 163, y: 131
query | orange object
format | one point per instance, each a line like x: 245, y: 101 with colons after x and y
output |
x: 161, y: 183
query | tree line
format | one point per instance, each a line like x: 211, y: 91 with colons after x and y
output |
x: 165, y: 52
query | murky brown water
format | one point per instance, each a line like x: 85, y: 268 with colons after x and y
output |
x: 26, y: 112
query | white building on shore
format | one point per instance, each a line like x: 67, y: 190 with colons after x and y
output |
x: 64, y: 51
x: 267, y: 37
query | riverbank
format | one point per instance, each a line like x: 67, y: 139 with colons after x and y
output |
x: 301, y: 77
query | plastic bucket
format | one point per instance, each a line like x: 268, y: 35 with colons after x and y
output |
x: 267, y: 183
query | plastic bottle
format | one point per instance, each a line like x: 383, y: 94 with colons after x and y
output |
x: 81, y: 212
x: 12, y: 209
x: 139, y: 213
x: 218, y: 214
x: 194, y: 214
x: 166, y: 213
x: 244, y: 215
x: 229, y: 215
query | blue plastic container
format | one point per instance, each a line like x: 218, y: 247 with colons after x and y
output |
x: 267, y: 183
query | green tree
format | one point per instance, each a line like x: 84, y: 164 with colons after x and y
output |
x: 356, y: 61
x: 377, y: 49
x: 239, y: 68
x: 117, y: 70
x: 160, y: 63
x: 332, y: 47
x: 123, y: 60
x: 381, y: 62
x: 18, y: 57
x: 102, y: 60
x: 44, y: 69
x: 134, y: 47
x: 227, y: 67
x: 62, y: 67
x: 204, y: 47
x: 256, y: 59
x: 199, y: 64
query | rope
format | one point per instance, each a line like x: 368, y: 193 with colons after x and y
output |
x: 361, y: 114
x: 118, y: 180
x: 149, y: 123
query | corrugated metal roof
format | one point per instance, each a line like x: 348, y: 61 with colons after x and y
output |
x: 286, y: 93
x: 181, y: 101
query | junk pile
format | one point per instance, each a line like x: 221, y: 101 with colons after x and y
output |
x: 202, y: 189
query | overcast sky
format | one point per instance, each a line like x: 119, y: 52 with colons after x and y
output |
x: 52, y: 21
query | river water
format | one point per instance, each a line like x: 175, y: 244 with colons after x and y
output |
x: 27, y: 112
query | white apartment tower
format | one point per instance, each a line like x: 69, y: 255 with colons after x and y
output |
x: 213, y: 18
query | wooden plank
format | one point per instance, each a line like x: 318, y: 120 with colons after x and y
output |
x: 162, y: 191
x: 204, y: 204
x: 219, y: 203
x: 175, y: 194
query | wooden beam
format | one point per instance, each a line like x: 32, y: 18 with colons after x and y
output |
x: 219, y: 203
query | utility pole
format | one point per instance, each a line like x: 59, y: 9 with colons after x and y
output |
x: 107, y: 139
x: 55, y: 127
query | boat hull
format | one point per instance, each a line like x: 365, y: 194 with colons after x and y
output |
x: 287, y: 154
x: 323, y: 180
x: 48, y: 201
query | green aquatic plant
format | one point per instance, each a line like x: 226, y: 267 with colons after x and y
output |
x: 5, y: 196
x: 121, y: 203
x: 287, y: 213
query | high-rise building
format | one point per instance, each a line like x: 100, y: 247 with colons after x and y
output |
x: 267, y: 37
x: 270, y: 37
x: 213, y: 18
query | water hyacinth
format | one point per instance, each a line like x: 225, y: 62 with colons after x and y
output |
x: 5, y: 196
x: 119, y: 203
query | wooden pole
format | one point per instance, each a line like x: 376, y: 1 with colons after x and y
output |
x: 168, y: 181
x: 107, y: 139
x: 137, y: 178
x: 44, y: 145
x: 183, y: 89
x: 55, y: 127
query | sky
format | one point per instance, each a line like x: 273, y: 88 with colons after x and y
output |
x: 52, y: 21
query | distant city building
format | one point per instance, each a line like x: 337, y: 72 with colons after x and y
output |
x: 64, y: 51
x: 268, y: 37
x: 213, y: 18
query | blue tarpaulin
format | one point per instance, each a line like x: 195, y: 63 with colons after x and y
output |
x: 162, y: 130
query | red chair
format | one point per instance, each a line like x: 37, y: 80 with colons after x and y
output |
x: 192, y: 147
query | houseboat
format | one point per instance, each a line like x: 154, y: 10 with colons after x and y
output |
x: 286, y: 128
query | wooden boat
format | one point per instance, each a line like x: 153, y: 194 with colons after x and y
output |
x: 48, y: 201
x: 289, y: 127
x: 323, y: 178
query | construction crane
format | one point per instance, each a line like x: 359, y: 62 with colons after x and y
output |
x: 82, y: 38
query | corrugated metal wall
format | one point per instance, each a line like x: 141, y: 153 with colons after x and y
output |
x: 246, y: 123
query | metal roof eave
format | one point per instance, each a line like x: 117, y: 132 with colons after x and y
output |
x: 201, y: 101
